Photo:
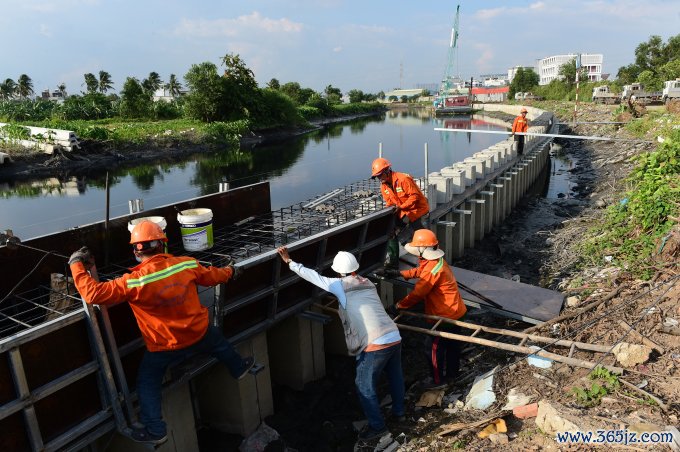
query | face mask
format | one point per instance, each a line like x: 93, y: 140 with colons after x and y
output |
x: 139, y: 259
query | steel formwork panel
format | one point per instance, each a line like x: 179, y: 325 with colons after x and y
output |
x: 42, y: 326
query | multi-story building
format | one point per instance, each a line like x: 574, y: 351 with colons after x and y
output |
x: 549, y: 67
x: 513, y: 71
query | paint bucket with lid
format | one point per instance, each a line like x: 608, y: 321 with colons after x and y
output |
x: 160, y: 221
x: 196, y: 228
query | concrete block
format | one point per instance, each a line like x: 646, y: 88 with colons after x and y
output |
x: 443, y: 187
x: 178, y: 414
x: 458, y: 179
x: 480, y: 166
x: 236, y: 406
x: 296, y: 352
x: 470, y: 172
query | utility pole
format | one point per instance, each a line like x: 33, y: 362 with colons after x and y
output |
x: 401, y: 75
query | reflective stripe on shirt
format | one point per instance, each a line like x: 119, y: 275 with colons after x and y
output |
x: 165, y: 273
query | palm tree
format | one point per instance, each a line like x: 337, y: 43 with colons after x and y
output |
x: 91, y: 83
x: 24, y: 86
x: 173, y: 86
x: 105, y: 82
x: 62, y: 89
x: 152, y: 83
x: 7, y: 89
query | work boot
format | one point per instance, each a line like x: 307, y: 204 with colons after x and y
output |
x: 142, y: 435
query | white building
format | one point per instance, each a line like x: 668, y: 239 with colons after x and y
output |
x: 513, y: 71
x: 492, y: 80
x: 549, y: 67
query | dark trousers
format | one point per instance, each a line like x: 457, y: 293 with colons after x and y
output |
x: 154, y: 364
x: 520, y: 144
x: 405, y: 231
x: 443, y: 355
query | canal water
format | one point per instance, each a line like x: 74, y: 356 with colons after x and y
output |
x: 297, y: 169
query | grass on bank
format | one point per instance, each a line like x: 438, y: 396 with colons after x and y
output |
x: 121, y: 132
x: 633, y: 230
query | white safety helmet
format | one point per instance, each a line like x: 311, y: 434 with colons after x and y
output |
x: 345, y: 263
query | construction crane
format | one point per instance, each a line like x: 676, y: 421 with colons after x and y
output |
x: 450, y: 79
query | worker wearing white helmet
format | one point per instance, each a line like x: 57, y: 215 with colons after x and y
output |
x: 370, y: 334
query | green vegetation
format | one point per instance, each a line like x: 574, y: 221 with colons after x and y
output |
x: 654, y: 63
x: 523, y: 81
x: 604, y: 382
x: 220, y: 106
x: 634, y: 228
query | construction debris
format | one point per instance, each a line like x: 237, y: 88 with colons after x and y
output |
x: 481, y: 396
x: 630, y: 355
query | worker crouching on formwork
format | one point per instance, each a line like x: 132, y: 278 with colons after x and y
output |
x: 437, y: 287
x: 401, y: 191
x: 162, y: 293
x: 370, y: 334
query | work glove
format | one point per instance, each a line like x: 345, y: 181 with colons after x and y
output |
x: 391, y: 273
x: 236, y: 272
x: 82, y: 255
x: 392, y: 310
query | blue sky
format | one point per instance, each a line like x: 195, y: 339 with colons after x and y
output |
x: 370, y: 45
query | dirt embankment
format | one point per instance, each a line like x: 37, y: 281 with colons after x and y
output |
x: 539, y: 243
x: 97, y: 156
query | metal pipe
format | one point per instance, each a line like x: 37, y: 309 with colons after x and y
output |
x: 549, y: 135
x: 427, y: 171
x: 380, y: 149
x: 106, y: 221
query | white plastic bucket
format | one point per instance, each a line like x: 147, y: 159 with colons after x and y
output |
x: 196, y: 228
x: 160, y: 221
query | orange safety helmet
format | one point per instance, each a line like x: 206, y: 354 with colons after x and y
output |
x: 424, y: 237
x: 379, y: 165
x: 523, y: 110
x: 146, y: 231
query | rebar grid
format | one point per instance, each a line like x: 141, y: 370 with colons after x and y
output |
x: 242, y: 240
x: 35, y: 306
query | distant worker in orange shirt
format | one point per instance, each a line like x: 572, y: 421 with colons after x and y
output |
x: 438, y: 288
x: 162, y: 293
x: 520, y: 124
x: 401, y: 191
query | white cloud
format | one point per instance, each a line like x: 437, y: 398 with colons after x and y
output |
x: 45, y: 30
x: 485, y: 14
x: 537, y: 6
x: 337, y: 49
x: 235, y: 27
x: 486, y: 57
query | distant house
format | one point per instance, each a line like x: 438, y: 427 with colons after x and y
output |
x: 549, y: 67
x: 492, y: 80
x: 164, y: 94
x: 56, y: 95
x: 490, y: 94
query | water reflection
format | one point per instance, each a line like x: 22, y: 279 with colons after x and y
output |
x: 297, y: 169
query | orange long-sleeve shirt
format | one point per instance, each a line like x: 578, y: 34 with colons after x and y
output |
x: 437, y: 286
x: 520, y: 124
x: 163, y: 296
x: 404, y: 193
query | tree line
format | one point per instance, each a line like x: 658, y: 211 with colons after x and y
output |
x: 210, y: 94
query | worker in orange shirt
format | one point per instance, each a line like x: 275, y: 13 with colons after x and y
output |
x: 162, y: 293
x: 521, y: 125
x: 437, y: 287
x: 401, y: 191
